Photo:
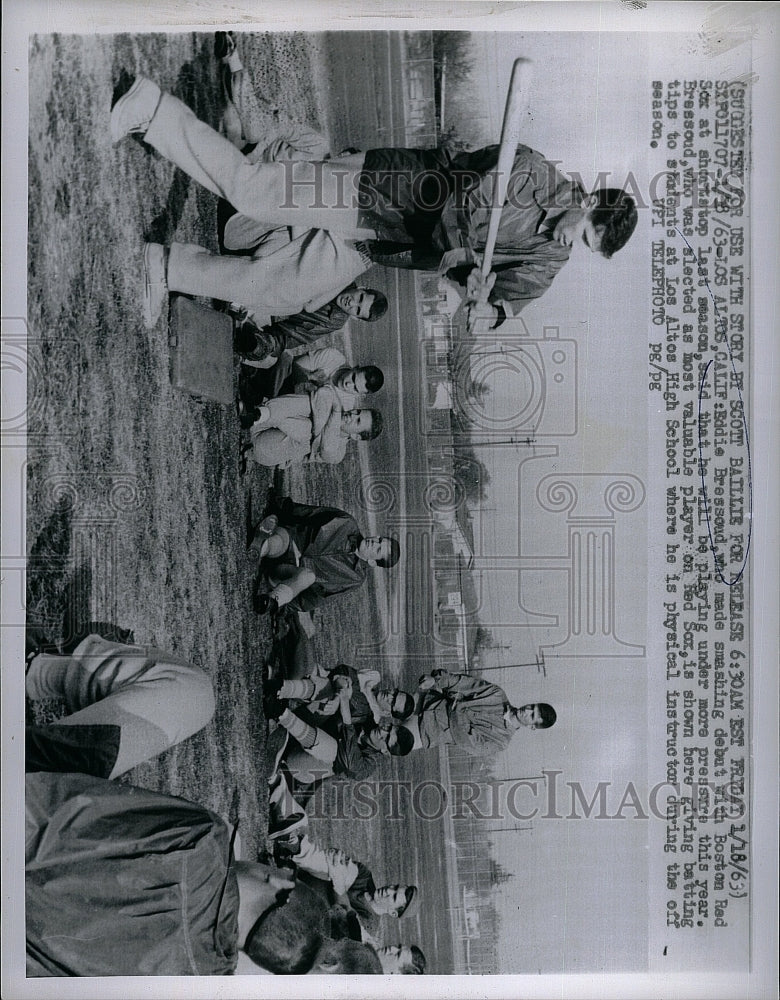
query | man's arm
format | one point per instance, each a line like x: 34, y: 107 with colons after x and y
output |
x: 353, y: 760
x: 487, y: 741
x: 376, y: 711
x: 334, y: 574
x: 479, y: 309
x: 505, y: 293
x: 292, y: 513
x: 464, y: 684
x: 368, y: 680
x: 345, y: 693
x: 328, y: 864
x: 305, y: 327
x: 280, y: 445
x: 329, y: 444
x: 289, y: 415
x: 350, y: 879
x: 517, y: 286
x: 321, y: 363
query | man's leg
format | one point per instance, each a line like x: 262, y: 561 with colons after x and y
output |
x: 286, y: 814
x: 273, y: 545
x: 316, y: 742
x: 303, y: 660
x: 309, y: 688
x: 310, y: 269
x: 319, y: 748
x: 288, y: 409
x: 305, y: 770
x: 240, y: 233
x: 311, y: 194
x: 289, y: 582
x: 282, y: 432
x: 272, y: 447
x: 275, y: 132
x: 147, y: 698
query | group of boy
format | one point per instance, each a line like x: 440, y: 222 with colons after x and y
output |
x: 101, y: 854
x: 121, y: 880
x: 299, y: 232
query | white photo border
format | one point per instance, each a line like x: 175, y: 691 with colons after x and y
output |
x: 20, y: 20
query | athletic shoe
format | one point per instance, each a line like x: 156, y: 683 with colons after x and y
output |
x: 265, y: 529
x: 275, y: 750
x: 272, y: 686
x: 246, y: 415
x: 133, y: 112
x: 259, y: 534
x: 263, y: 414
x: 155, y: 285
x: 224, y: 44
x: 272, y: 706
x: 265, y: 603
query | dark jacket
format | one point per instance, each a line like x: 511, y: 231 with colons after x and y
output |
x: 327, y: 538
x: 104, y: 859
x: 421, y: 202
x: 354, y: 758
x: 467, y: 711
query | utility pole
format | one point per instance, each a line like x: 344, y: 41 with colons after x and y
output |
x: 538, y: 663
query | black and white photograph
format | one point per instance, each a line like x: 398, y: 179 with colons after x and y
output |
x: 390, y: 527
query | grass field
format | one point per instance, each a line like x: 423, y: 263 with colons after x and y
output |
x: 136, y: 513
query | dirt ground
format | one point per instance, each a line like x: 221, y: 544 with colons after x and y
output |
x: 136, y: 513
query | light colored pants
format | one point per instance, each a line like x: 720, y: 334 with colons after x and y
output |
x: 278, y: 136
x: 155, y: 698
x: 282, y: 277
x: 285, y: 436
x: 289, y: 581
x: 311, y: 763
x: 273, y: 447
x: 317, y: 198
x: 301, y: 193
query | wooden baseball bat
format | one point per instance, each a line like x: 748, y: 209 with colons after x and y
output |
x: 516, y: 102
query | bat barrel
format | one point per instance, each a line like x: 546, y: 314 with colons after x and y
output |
x: 516, y: 103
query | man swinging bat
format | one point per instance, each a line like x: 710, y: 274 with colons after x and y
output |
x: 414, y: 208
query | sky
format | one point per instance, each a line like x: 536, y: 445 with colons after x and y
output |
x: 579, y: 901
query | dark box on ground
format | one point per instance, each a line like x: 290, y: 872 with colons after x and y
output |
x: 201, y: 343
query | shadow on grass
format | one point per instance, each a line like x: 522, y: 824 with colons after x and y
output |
x: 48, y: 567
x: 197, y: 87
x: 108, y: 630
x: 76, y: 605
x: 59, y: 594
